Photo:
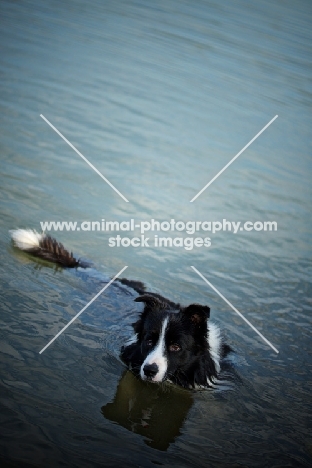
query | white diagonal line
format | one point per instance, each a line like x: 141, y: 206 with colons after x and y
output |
x: 84, y: 158
x: 233, y: 159
x: 82, y: 310
x: 235, y: 310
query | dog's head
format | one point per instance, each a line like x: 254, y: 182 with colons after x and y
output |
x: 171, y: 339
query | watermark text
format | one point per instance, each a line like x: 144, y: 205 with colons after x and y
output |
x: 148, y: 231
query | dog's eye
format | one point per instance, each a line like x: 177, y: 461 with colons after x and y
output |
x: 174, y: 347
x: 149, y: 342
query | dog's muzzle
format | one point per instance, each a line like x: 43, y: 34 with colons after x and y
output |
x: 150, y: 370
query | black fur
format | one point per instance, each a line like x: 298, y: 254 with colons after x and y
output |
x: 190, y: 356
x: 190, y: 363
x: 54, y: 251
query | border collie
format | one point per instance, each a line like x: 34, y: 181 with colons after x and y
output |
x: 171, y: 343
x: 175, y: 343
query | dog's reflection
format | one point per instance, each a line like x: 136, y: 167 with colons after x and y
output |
x: 154, y: 411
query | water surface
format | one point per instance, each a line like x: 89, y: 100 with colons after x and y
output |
x: 159, y: 97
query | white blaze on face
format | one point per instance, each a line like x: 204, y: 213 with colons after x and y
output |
x: 158, y: 356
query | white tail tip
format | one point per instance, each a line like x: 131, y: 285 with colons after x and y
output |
x: 26, y: 239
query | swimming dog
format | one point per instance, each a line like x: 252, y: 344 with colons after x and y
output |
x: 170, y: 343
x: 175, y: 343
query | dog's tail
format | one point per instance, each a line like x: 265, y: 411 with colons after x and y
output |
x: 44, y: 246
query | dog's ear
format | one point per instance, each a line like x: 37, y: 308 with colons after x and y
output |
x: 151, y: 302
x: 197, y: 314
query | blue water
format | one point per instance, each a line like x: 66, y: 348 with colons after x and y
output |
x: 159, y: 97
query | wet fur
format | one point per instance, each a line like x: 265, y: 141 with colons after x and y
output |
x: 198, y: 348
x: 161, y: 329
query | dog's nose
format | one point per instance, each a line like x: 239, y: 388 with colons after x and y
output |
x: 150, y: 370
